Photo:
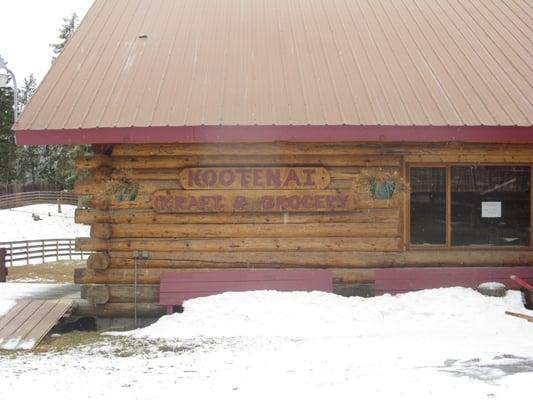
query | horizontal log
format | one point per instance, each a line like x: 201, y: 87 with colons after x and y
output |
x: 471, y: 158
x: 256, y: 178
x: 102, y: 172
x: 120, y: 293
x: 347, y: 259
x: 101, y: 231
x: 348, y: 148
x: 147, y: 187
x: 144, y: 162
x: 145, y: 276
x: 363, y: 229
x: 93, y: 161
x: 91, y: 216
x: 362, y: 201
x: 98, y: 186
x: 119, y: 310
x: 102, y: 148
x: 244, y: 149
x: 239, y: 245
x: 201, y: 201
x: 154, y: 174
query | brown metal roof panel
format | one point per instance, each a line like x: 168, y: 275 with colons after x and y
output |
x: 121, y: 73
x: 93, y: 66
x: 292, y: 62
x: 490, y: 76
x: 453, y: 66
x: 510, y: 66
x: 82, y: 74
x: 148, y: 39
x: 421, y: 78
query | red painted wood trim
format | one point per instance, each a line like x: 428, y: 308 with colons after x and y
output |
x: 176, y: 287
x: 258, y: 134
x: 396, y: 280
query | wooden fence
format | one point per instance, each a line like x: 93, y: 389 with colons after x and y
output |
x: 3, y: 269
x: 27, y: 252
x: 29, y: 198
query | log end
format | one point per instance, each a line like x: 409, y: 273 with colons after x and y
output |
x: 98, y: 294
x: 99, y: 261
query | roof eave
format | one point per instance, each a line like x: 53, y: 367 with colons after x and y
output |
x: 259, y: 134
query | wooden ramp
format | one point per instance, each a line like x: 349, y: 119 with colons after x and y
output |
x: 23, y: 327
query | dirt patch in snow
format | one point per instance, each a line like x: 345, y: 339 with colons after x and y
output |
x: 57, y: 272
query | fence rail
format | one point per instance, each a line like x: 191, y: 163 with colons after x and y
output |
x: 25, y: 252
x: 29, y: 198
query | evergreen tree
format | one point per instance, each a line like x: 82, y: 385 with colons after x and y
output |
x: 65, y: 32
x: 27, y: 90
x: 7, y: 138
x: 59, y: 166
x: 28, y: 157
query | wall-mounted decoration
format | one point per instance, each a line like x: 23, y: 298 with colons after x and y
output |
x: 121, y: 189
x: 380, y: 184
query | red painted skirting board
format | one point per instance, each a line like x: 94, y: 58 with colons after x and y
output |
x: 259, y: 134
x: 398, y: 280
x: 176, y: 287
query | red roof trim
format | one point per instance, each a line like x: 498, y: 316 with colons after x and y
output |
x: 250, y: 134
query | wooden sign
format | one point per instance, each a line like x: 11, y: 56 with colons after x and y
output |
x: 199, y: 201
x: 261, y: 178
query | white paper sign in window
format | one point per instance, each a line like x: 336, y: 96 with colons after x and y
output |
x: 491, y: 209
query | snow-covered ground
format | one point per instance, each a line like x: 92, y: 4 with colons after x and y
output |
x: 433, y: 344
x: 18, y: 224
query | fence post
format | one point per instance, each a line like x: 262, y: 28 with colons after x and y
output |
x: 57, y: 250
x: 3, y: 269
x: 70, y: 249
x: 11, y: 254
x: 42, y: 242
x: 27, y: 253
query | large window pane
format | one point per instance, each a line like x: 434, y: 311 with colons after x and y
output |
x: 490, y: 205
x: 428, y: 205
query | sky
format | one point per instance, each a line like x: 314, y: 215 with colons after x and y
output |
x: 27, y: 27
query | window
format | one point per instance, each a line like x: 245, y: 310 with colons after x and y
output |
x: 464, y: 205
x: 428, y: 205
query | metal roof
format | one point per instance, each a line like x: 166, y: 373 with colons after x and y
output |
x: 187, y: 63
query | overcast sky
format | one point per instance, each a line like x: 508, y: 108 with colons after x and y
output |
x: 27, y: 27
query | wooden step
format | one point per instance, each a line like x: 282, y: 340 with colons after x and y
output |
x: 24, y: 326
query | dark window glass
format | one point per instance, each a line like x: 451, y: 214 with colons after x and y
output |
x: 490, y: 205
x: 428, y: 205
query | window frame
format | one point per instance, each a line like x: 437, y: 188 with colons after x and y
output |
x: 448, y: 244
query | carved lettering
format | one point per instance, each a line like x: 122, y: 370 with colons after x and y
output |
x: 260, y: 178
x: 180, y: 201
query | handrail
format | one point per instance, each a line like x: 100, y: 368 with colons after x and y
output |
x: 42, y: 197
x: 23, y: 252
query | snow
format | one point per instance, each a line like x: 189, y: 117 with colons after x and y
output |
x: 5, y: 306
x: 18, y: 224
x: 465, y: 323
x: 10, y: 292
x: 433, y: 344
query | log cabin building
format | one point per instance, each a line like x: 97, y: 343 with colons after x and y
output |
x: 352, y: 135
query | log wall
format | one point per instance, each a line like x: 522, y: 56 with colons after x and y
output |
x: 353, y: 243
